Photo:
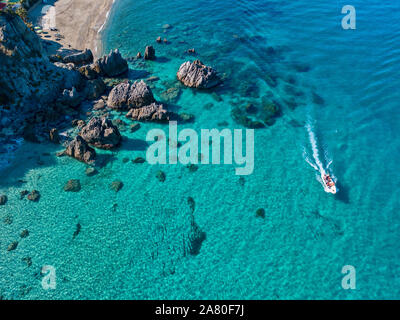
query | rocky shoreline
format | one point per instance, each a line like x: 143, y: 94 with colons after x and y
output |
x: 42, y: 94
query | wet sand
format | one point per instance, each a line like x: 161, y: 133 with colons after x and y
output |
x: 77, y: 22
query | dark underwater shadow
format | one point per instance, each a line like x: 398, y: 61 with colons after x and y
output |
x: 29, y: 156
x: 104, y: 159
x: 163, y: 59
x: 133, y: 144
x: 343, y: 193
x: 135, y: 74
x: 172, y: 107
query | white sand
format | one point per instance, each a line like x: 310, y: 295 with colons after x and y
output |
x: 78, y: 21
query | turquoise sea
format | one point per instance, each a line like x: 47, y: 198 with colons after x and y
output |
x: 151, y: 241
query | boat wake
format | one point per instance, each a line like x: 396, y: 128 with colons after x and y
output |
x: 325, y: 176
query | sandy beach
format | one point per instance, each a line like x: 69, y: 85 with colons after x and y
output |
x: 77, y: 22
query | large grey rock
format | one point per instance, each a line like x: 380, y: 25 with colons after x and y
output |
x: 83, y: 57
x: 197, y: 75
x: 80, y: 150
x: 153, y: 112
x: 101, y: 133
x: 112, y: 65
x: 125, y: 96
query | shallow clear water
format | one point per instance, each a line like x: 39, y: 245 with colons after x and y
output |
x: 132, y: 243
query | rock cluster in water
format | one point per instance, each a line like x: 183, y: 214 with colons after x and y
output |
x: 112, y: 64
x: 101, y: 133
x: 79, y: 149
x: 125, y: 96
x: 197, y: 75
x: 155, y: 112
x: 40, y: 91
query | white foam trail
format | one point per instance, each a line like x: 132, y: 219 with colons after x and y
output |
x: 305, y: 156
x: 316, y: 162
x: 314, y: 147
x: 104, y: 24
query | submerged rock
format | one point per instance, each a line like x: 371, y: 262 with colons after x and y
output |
x: 24, y: 233
x: 191, y: 203
x: 240, y: 117
x: 101, y: 133
x: 8, y: 219
x: 250, y: 108
x: 186, y: 117
x: 117, y: 185
x: 135, y: 127
x: 3, y: 200
x: 154, y: 112
x: 27, y: 260
x: 125, y: 96
x: 196, y: 75
x: 196, y: 238
x: 260, y: 213
x: 208, y: 106
x: 270, y: 111
x: 112, y: 65
x: 161, y: 176
x: 171, y: 95
x: 150, y: 53
x: 139, y: 160
x: 23, y: 193
x: 12, y: 246
x: 77, y: 230
x: 73, y: 185
x: 34, y: 196
x: 192, y: 167
x: 90, y: 172
x: 80, y: 150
